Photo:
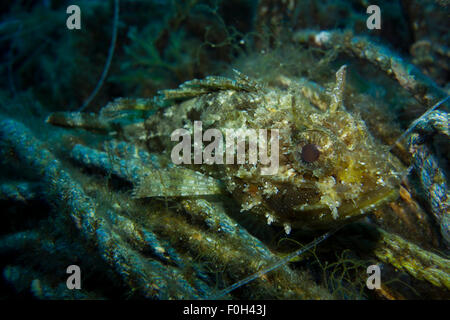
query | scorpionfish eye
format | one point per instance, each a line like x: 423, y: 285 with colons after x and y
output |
x: 315, y: 151
x: 310, y: 153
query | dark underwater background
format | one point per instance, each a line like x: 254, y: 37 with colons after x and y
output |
x: 133, y: 49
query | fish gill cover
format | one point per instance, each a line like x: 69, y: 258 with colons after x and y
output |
x: 231, y: 149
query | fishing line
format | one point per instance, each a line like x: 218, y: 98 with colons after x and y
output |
x: 276, y: 265
x: 108, y: 60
